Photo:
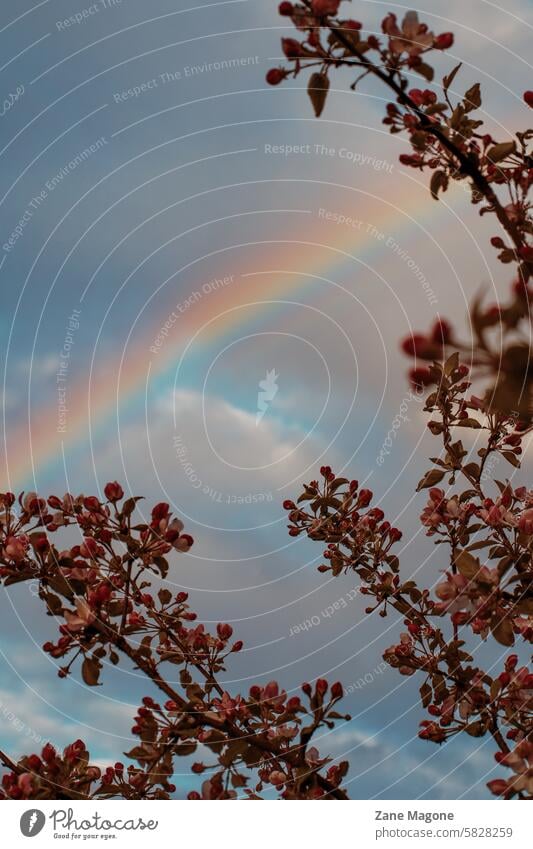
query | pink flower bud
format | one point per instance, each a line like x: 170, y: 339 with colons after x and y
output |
x: 321, y: 686
x: 48, y: 753
x: 337, y: 690
x: 498, y: 786
x: 92, y: 504
x: 113, y: 491
x: 224, y: 631
x: 444, y: 41
x: 365, y: 497
x: 511, y: 662
x: 275, y: 76
x: 160, y: 511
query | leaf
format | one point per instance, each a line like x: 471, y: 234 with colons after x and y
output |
x: 185, y: 678
x: 195, y: 693
x: 457, y: 116
x: 475, y: 729
x: 165, y: 596
x: 90, y: 671
x: 425, y: 71
x: 472, y: 423
x: 426, y: 694
x: 439, y: 181
x: 318, y: 91
x: 54, y: 604
x: 472, y: 98
x: 129, y: 506
x: 116, y: 608
x: 16, y: 579
x: 430, y: 479
x: 162, y: 565
x: 61, y: 585
x: 472, y: 469
x: 476, y: 546
x: 501, y: 151
x: 511, y: 458
x: 448, y: 80
x: 503, y: 632
x: 467, y: 564
x: 451, y: 364
x: 138, y: 753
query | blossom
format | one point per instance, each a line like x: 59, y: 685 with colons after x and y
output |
x: 525, y: 521
x: 84, y: 616
x: 520, y: 760
x: 16, y: 547
x: 440, y: 512
x: 496, y: 514
x: 229, y: 708
x: 413, y: 38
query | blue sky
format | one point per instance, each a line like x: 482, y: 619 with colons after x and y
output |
x: 184, y: 189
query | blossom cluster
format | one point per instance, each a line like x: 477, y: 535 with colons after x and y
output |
x: 484, y: 591
x: 101, y: 594
x: 449, y: 142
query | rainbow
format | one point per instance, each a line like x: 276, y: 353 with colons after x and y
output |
x: 121, y: 384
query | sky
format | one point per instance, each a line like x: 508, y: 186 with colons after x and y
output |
x: 203, y: 291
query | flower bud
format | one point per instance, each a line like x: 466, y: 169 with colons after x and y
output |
x: 224, y: 631
x: 113, y: 491
x: 48, y: 753
x: 444, y: 41
x: 511, y: 662
x: 275, y: 76
x: 321, y: 686
x: 92, y: 504
x: 337, y: 690
x: 365, y: 497
x: 34, y: 762
x: 160, y: 511
x: 498, y: 786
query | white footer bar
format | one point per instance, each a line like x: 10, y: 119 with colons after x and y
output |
x: 268, y: 825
